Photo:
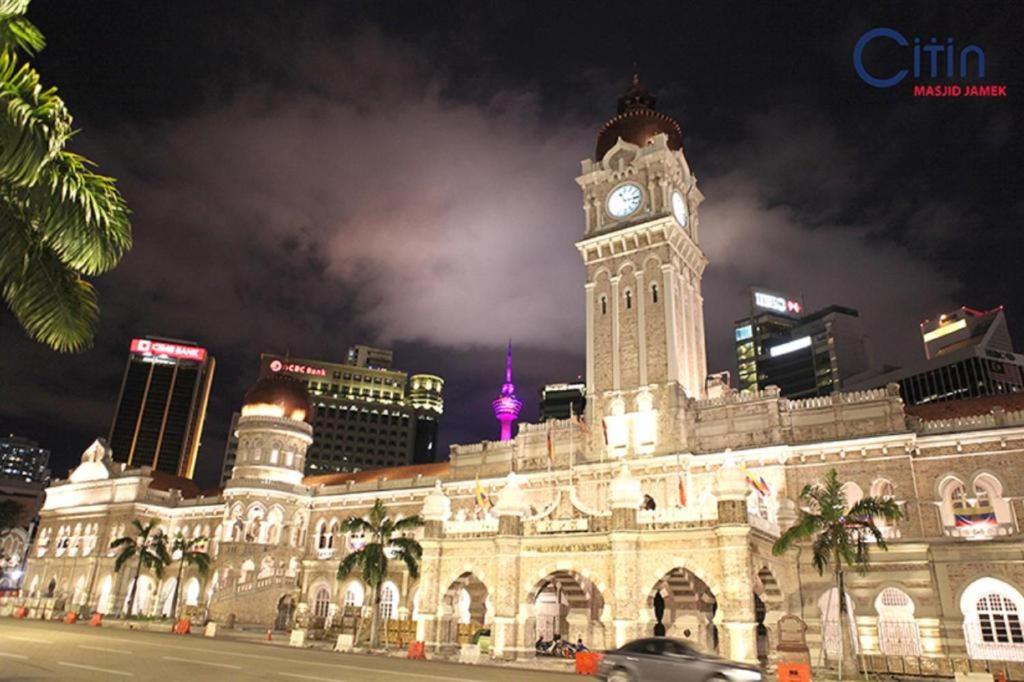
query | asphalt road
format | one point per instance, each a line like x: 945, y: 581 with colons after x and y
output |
x: 34, y: 650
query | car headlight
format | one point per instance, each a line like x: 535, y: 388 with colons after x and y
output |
x: 743, y: 674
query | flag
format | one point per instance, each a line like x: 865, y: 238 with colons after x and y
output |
x: 975, y: 516
x: 757, y: 484
x: 682, y: 492
x: 551, y: 450
x: 479, y: 493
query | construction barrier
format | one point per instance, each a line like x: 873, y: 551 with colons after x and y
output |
x: 211, y: 629
x: 794, y: 672
x: 182, y: 627
x: 71, y: 618
x: 21, y: 612
x: 417, y: 650
x: 586, y: 662
x: 96, y: 620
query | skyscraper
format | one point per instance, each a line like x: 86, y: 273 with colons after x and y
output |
x: 22, y: 459
x: 365, y: 414
x: 507, y: 405
x: 162, y: 405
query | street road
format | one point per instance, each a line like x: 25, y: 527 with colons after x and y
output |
x: 35, y: 650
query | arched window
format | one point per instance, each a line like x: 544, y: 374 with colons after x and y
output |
x: 992, y: 621
x: 354, y: 594
x: 654, y: 293
x: 898, y: 634
x: 604, y: 305
x: 853, y: 493
x: 629, y: 299
x: 388, y: 601
x: 828, y: 605
x: 322, y: 602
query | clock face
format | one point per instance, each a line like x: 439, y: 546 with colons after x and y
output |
x: 624, y: 200
x: 679, y: 209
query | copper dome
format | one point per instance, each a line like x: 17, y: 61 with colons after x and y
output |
x: 637, y: 122
x: 279, y: 391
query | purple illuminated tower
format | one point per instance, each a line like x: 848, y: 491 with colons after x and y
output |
x: 507, y: 405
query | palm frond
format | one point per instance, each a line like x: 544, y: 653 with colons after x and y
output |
x: 375, y: 564
x: 408, y: 546
x: 34, y: 123
x: 409, y: 523
x: 349, y: 564
x: 127, y: 553
x: 355, y: 524
x: 17, y: 32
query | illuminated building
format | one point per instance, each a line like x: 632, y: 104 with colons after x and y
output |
x: 22, y: 459
x: 544, y: 534
x: 507, y: 405
x: 365, y: 414
x: 161, y: 408
x: 968, y: 354
x: 230, y: 449
x: 561, y: 401
x: 771, y: 315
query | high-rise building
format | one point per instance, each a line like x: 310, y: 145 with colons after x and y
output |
x: 507, y: 405
x: 22, y: 459
x: 968, y: 354
x: 804, y: 355
x: 365, y: 415
x: 161, y: 408
x: 562, y: 401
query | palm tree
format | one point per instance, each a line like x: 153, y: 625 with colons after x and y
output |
x: 10, y: 513
x: 372, y: 558
x: 59, y: 221
x: 149, y: 547
x: 189, y: 552
x: 840, y: 535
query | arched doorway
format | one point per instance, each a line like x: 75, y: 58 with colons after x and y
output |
x: 143, y: 597
x: 104, y: 598
x: 569, y: 606
x: 767, y: 599
x: 993, y: 627
x: 684, y: 607
x: 464, y: 610
x: 285, y: 613
x: 831, y: 635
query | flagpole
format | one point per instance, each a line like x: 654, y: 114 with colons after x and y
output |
x: 572, y: 454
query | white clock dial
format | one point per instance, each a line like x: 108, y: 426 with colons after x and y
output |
x: 625, y: 200
x: 679, y: 209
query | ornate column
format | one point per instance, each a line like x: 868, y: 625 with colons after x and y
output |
x: 437, y: 508
x: 641, y: 326
x: 512, y: 506
x: 616, y: 360
x: 736, y: 601
x: 590, y: 351
x: 624, y: 496
x: 671, y: 328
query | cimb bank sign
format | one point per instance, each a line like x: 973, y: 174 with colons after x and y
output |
x: 933, y: 64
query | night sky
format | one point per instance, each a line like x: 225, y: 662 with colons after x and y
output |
x: 308, y: 175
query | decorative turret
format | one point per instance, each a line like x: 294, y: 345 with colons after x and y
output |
x: 507, y: 405
x: 437, y: 509
x: 625, y: 495
x: 512, y: 506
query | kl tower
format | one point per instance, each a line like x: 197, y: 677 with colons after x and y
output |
x: 507, y: 405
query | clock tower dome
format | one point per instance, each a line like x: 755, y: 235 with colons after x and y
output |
x: 641, y: 248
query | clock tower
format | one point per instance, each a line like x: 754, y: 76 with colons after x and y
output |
x: 641, y: 248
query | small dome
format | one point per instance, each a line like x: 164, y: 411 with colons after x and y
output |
x: 637, y: 122
x: 278, y: 396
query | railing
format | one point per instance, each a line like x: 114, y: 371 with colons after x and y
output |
x: 325, y: 553
x: 980, y: 531
x: 486, y: 525
x: 978, y: 648
x: 263, y: 583
x: 579, y: 525
x: 764, y: 525
x: 672, y: 515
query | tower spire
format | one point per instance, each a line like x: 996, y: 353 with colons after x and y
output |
x: 507, y: 405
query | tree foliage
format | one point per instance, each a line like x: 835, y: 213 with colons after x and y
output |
x: 148, y: 546
x: 60, y: 222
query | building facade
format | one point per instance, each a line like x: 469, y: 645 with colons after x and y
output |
x: 968, y: 354
x: 24, y: 460
x: 562, y: 401
x: 365, y: 414
x: 565, y: 548
x: 161, y: 408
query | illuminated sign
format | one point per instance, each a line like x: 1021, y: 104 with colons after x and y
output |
x: 149, y: 348
x: 294, y: 368
x: 945, y: 330
x: 744, y: 333
x: 790, y: 346
x: 780, y: 304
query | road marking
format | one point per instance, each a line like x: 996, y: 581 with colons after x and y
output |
x: 379, y: 671
x: 103, y: 648
x: 28, y: 639
x: 192, y: 660
x: 99, y: 670
x: 24, y: 658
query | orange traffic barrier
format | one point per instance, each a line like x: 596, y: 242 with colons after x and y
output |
x: 794, y: 672
x: 1000, y: 676
x: 71, y: 618
x: 417, y: 650
x: 270, y: 636
x: 21, y: 612
x: 182, y: 627
x: 586, y: 662
x: 96, y: 620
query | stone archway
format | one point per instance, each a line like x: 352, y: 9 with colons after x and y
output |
x: 768, y: 608
x: 685, y: 606
x: 567, y: 605
x: 463, y: 610
x: 285, y: 613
